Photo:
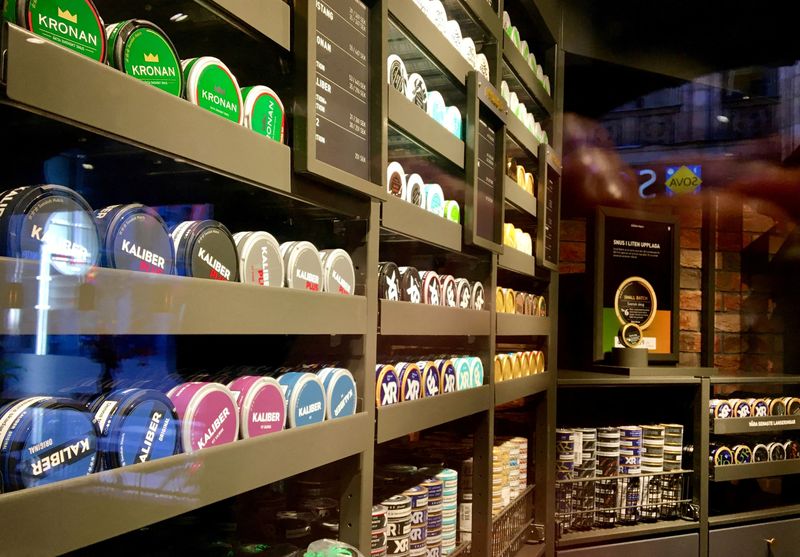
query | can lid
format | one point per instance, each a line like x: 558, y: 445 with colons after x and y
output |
x: 73, y: 24
x: 396, y: 179
x: 414, y: 190
x: 262, y: 408
x: 397, y: 73
x: 205, y: 249
x: 264, y: 112
x: 387, y: 385
x: 340, y: 393
x: 388, y: 281
x: 338, y: 273
x: 208, y: 414
x: 303, y: 268
x: 260, y: 260
x: 52, y: 222
x: 211, y: 86
x: 135, y: 238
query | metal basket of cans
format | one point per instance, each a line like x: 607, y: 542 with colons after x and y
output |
x: 510, y: 527
x: 619, y: 475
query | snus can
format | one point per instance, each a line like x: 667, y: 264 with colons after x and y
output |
x: 135, y: 238
x: 260, y: 260
x: 45, y: 440
x: 340, y: 392
x: 387, y: 385
x: 73, y: 24
x: 205, y: 249
x: 303, y: 265
x: 52, y: 223
x: 305, y: 398
x: 263, y: 112
x: 211, y: 86
x: 338, y: 274
x: 208, y: 414
x: 135, y: 425
x: 262, y: 408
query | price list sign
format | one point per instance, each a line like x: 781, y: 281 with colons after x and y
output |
x: 550, y: 207
x: 487, y: 212
x: 342, y: 86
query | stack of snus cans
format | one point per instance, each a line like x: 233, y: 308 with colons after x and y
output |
x: 449, y: 478
x: 630, y: 464
x: 605, y: 491
x: 565, y: 471
x: 465, y: 501
x: 652, y: 463
x: 672, y: 483
x: 585, y: 465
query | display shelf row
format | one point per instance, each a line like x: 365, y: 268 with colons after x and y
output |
x: 416, y: 223
x: 768, y: 469
x: 511, y: 324
x: 526, y: 75
x: 271, y: 18
x: 522, y: 135
x: 760, y: 424
x: 124, y: 499
x: 752, y: 516
x: 63, y: 85
x: 516, y: 261
x: 519, y: 198
x: 641, y: 530
x: 507, y: 391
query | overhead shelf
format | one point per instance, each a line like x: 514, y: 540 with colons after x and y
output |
x: 115, y: 302
x: 765, y: 424
x: 732, y: 472
x: 397, y: 420
x: 411, y: 221
x: 45, y: 77
x: 481, y: 11
x: 512, y: 324
x: 125, y: 499
x: 405, y: 318
x: 644, y: 529
x: 430, y: 39
x: 514, y: 260
x: 526, y: 75
x: 568, y: 378
x: 522, y: 135
x: 415, y: 122
x: 514, y: 389
x: 519, y: 198
x: 271, y: 18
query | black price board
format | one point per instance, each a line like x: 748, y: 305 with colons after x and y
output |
x: 485, y: 117
x: 334, y: 131
x: 636, y: 280
x: 549, y: 193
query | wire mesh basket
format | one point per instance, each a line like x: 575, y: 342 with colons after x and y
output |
x: 606, y: 501
x: 510, y: 527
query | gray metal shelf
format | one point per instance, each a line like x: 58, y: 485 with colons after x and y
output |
x: 397, y: 420
x: 99, y: 98
x: 512, y: 324
x: 732, y: 472
x: 513, y: 389
x: 164, y: 304
x: 271, y: 18
x: 411, y: 221
x: 755, y: 379
x: 766, y: 424
x: 526, y: 76
x: 482, y: 12
x: 753, y: 516
x: 603, y: 535
x: 124, y: 499
x: 519, y: 198
x: 430, y: 39
x: 522, y: 135
x: 405, y: 318
x: 514, y: 260
x: 415, y: 122
x: 567, y: 378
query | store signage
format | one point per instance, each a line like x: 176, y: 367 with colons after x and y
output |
x: 486, y: 211
x: 678, y: 180
x: 342, y: 85
x: 636, y: 281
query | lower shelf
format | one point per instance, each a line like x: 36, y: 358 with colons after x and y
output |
x: 753, y: 516
x: 121, y: 500
x: 514, y: 260
x: 403, y: 418
x: 603, y: 535
x: 755, y: 470
x: 513, y: 389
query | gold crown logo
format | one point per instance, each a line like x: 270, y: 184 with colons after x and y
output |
x: 65, y: 14
x: 151, y: 58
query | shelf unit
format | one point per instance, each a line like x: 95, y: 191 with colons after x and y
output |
x: 519, y: 199
x: 765, y: 424
x: 733, y: 472
x: 523, y: 73
x: 98, y: 99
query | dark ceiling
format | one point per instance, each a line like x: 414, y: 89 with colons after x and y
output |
x: 616, y: 51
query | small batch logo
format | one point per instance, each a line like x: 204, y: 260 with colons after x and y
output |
x: 151, y: 58
x: 67, y: 16
x: 683, y: 180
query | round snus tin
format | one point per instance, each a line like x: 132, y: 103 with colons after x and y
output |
x: 135, y: 425
x: 305, y: 398
x: 722, y: 456
x: 260, y: 260
x: 430, y: 377
x: 476, y: 369
x: 262, y: 408
x: 463, y: 374
x: 410, y: 381
x: 415, y: 186
x: 211, y: 86
x: 630, y: 335
x: 387, y: 385
x: 264, y: 112
x: 45, y: 440
x: 449, y: 292
x: 73, y: 24
x: 142, y: 50
x: 397, y: 506
x: 742, y: 454
x: 135, y: 238
x: 410, y: 285
x: 776, y: 451
x: 464, y: 293
x: 49, y: 222
x: 396, y: 180
x: 760, y: 453
x: 452, y: 211
x: 205, y: 249
x: 478, y: 300
x: 447, y: 375
x: 741, y: 408
x: 777, y: 407
x: 303, y: 265
x: 338, y: 274
x: 378, y: 518
x: 431, y: 288
x: 388, y: 281
x: 417, y: 91
x: 208, y: 414
x: 340, y: 392
x: 397, y: 73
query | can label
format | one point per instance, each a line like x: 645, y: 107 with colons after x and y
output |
x: 218, y: 92
x: 74, y: 24
x: 149, y: 57
x: 267, y: 117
